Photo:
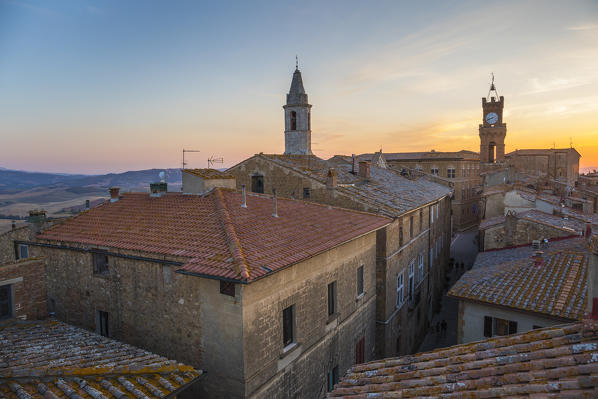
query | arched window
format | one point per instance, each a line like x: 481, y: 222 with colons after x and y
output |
x: 491, y: 152
x: 293, y: 120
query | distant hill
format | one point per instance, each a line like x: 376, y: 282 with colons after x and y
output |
x: 15, y: 180
x: 21, y: 191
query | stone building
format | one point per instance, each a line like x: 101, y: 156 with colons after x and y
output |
x: 271, y: 297
x: 412, y: 252
x: 559, y: 164
x: 521, y: 289
x: 459, y: 171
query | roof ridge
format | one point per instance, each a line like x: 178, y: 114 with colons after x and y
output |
x: 234, y: 245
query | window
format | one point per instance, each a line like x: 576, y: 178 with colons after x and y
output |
x: 360, y: 280
x: 293, y: 120
x: 332, y: 298
x: 257, y: 184
x: 102, y: 323
x: 420, y: 267
x: 434, y: 171
x: 400, y: 236
x: 227, y: 288
x: 411, y: 278
x: 360, y: 351
x: 410, y: 226
x: 495, y: 326
x: 332, y: 378
x: 288, y: 325
x: 400, y: 290
x: 398, y: 345
x: 23, y: 251
x: 306, y: 193
x: 450, y: 173
x: 6, y: 301
x: 100, y: 263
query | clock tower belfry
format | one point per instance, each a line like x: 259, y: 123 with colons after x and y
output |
x: 492, y: 129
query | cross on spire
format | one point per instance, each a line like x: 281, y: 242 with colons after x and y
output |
x: 296, y: 62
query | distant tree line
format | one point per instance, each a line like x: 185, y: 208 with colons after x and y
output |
x: 13, y: 217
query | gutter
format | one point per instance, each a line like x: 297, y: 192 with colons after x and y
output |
x: 182, y: 388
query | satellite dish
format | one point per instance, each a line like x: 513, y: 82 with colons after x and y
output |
x: 162, y: 175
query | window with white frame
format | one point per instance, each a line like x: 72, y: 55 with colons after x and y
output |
x: 400, y: 290
x: 420, y: 267
x: 434, y: 170
x: 450, y: 173
x: 411, y: 279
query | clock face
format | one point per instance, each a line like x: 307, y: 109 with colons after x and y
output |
x: 491, y: 118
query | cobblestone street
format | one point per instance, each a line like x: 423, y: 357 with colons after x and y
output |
x: 463, y: 249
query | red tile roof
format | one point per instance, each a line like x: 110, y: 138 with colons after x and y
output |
x: 209, y: 173
x: 553, y: 362
x: 217, y: 236
x: 50, y: 359
x: 557, y: 287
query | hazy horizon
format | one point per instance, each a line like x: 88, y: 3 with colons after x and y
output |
x: 98, y: 87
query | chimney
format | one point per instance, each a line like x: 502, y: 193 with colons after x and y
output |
x: 37, y: 218
x: 87, y: 204
x: 157, y: 190
x: 275, y: 214
x: 331, y: 179
x: 13, y: 224
x: 243, y: 196
x: 114, y: 195
x: 538, y: 258
x: 364, y: 169
x: 353, y: 164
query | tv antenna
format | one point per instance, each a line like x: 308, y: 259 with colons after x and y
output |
x: 184, y: 151
x: 212, y: 161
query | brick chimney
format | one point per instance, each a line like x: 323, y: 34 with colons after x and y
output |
x: 114, y: 194
x: 364, y: 169
x: 37, y: 218
x: 331, y: 179
x: 538, y: 259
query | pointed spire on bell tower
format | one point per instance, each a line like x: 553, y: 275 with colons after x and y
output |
x: 297, y: 117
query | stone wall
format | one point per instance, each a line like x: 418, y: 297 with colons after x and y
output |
x: 322, y: 341
x: 149, y: 305
x: 7, y: 243
x: 516, y: 232
x: 28, y: 288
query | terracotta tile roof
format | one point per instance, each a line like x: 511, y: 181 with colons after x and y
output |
x: 553, y: 362
x: 209, y: 173
x: 557, y: 287
x: 386, y: 192
x: 216, y: 235
x: 50, y: 359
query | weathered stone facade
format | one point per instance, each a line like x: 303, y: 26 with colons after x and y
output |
x: 28, y: 289
x: 399, y: 329
x: 560, y: 164
x: 237, y: 340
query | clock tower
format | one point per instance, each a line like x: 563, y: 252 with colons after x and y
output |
x: 492, y: 129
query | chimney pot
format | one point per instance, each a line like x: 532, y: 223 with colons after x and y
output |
x: 244, y: 196
x: 114, y: 194
x: 331, y: 179
x: 87, y: 204
x: 364, y: 169
x: 539, y: 258
x: 14, y: 225
x: 275, y: 214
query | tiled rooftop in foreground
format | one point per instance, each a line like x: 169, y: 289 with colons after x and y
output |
x: 214, y: 234
x: 553, y: 362
x: 51, y: 359
x: 557, y: 287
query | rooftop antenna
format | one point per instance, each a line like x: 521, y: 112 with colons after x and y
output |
x: 212, y: 161
x: 492, y: 87
x: 184, y: 151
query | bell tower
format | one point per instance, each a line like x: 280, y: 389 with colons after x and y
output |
x: 297, y: 118
x: 492, y: 129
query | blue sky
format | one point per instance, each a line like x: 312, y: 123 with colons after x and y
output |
x: 97, y: 86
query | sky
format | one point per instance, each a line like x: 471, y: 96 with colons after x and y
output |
x: 110, y: 86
